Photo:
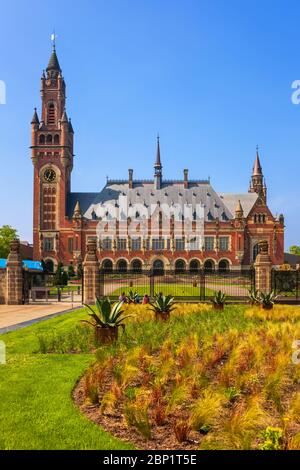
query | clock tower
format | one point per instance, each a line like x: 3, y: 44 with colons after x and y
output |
x: 52, y: 158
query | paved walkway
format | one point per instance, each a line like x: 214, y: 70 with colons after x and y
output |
x: 13, y: 317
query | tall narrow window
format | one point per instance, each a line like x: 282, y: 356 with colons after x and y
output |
x: 49, y: 207
x: 70, y: 244
x: 51, y: 114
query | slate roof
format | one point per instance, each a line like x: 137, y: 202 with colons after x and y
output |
x: 172, y: 192
x: 231, y: 200
x: 53, y: 62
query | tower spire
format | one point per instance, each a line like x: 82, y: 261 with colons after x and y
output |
x: 158, y: 161
x: 257, y: 184
x: 158, y: 167
x: 257, y: 170
x: 53, y: 65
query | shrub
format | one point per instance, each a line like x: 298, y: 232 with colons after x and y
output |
x: 137, y: 417
x: 181, y: 430
x: 273, y: 438
x: 206, y: 409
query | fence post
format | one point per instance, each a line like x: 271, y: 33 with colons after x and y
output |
x: 151, y: 274
x: 101, y: 283
x: 263, y: 268
x: 202, y: 284
x: 91, y: 273
x: 14, y: 275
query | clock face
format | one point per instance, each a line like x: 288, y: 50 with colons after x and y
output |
x: 49, y: 175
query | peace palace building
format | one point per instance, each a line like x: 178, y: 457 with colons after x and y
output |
x: 127, y: 218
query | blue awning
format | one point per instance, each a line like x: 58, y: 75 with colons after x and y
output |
x: 27, y: 264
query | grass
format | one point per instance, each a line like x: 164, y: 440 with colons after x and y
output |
x: 178, y: 290
x: 36, y: 408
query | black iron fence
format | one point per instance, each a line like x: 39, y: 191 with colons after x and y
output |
x: 185, y: 285
x: 286, y: 284
x: 41, y: 287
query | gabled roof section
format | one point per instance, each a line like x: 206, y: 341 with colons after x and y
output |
x: 231, y: 200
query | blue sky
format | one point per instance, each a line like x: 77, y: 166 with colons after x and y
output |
x: 212, y: 77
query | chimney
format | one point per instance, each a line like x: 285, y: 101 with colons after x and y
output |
x: 130, y: 181
x: 186, y: 182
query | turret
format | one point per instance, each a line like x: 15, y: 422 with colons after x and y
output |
x: 257, y: 184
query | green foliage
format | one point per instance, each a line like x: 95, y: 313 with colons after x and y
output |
x: 77, y: 339
x: 163, y: 304
x: 132, y: 297
x: 137, y: 416
x: 295, y: 249
x: 71, y: 271
x: 253, y: 296
x: 108, y: 315
x: 267, y: 299
x: 79, y: 271
x: 273, y: 438
x: 231, y: 393
x: 219, y: 298
x: 61, y: 276
x: 7, y: 235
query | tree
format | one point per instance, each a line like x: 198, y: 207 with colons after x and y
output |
x: 79, y: 271
x: 61, y: 276
x: 295, y: 249
x: 7, y: 235
x: 71, y: 271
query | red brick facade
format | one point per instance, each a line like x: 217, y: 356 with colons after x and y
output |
x: 62, y: 227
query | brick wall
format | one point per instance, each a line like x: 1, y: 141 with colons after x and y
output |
x: 2, y: 286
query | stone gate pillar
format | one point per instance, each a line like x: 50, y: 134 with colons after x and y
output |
x: 91, y: 274
x: 14, y: 275
x: 263, y: 268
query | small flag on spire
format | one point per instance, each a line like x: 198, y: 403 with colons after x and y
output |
x: 53, y: 38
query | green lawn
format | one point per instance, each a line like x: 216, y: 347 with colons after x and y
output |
x: 36, y: 408
x: 178, y: 290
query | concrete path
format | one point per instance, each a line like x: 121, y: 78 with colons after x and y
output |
x: 13, y: 317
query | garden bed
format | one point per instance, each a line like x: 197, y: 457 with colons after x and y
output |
x: 205, y: 379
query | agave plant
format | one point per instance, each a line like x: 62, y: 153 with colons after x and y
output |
x: 266, y: 300
x: 162, y: 306
x: 132, y: 297
x: 218, y: 300
x: 106, y: 320
x: 254, y: 296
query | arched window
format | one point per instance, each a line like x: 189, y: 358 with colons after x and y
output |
x: 194, y: 266
x: 158, y: 267
x: 107, y: 265
x: 56, y: 139
x: 51, y: 114
x: 122, y: 265
x: 136, y: 265
x: 223, y: 265
x: 209, y: 265
x: 49, y: 265
x: 49, y: 139
x: 255, y: 251
x: 179, y: 266
x: 42, y: 139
